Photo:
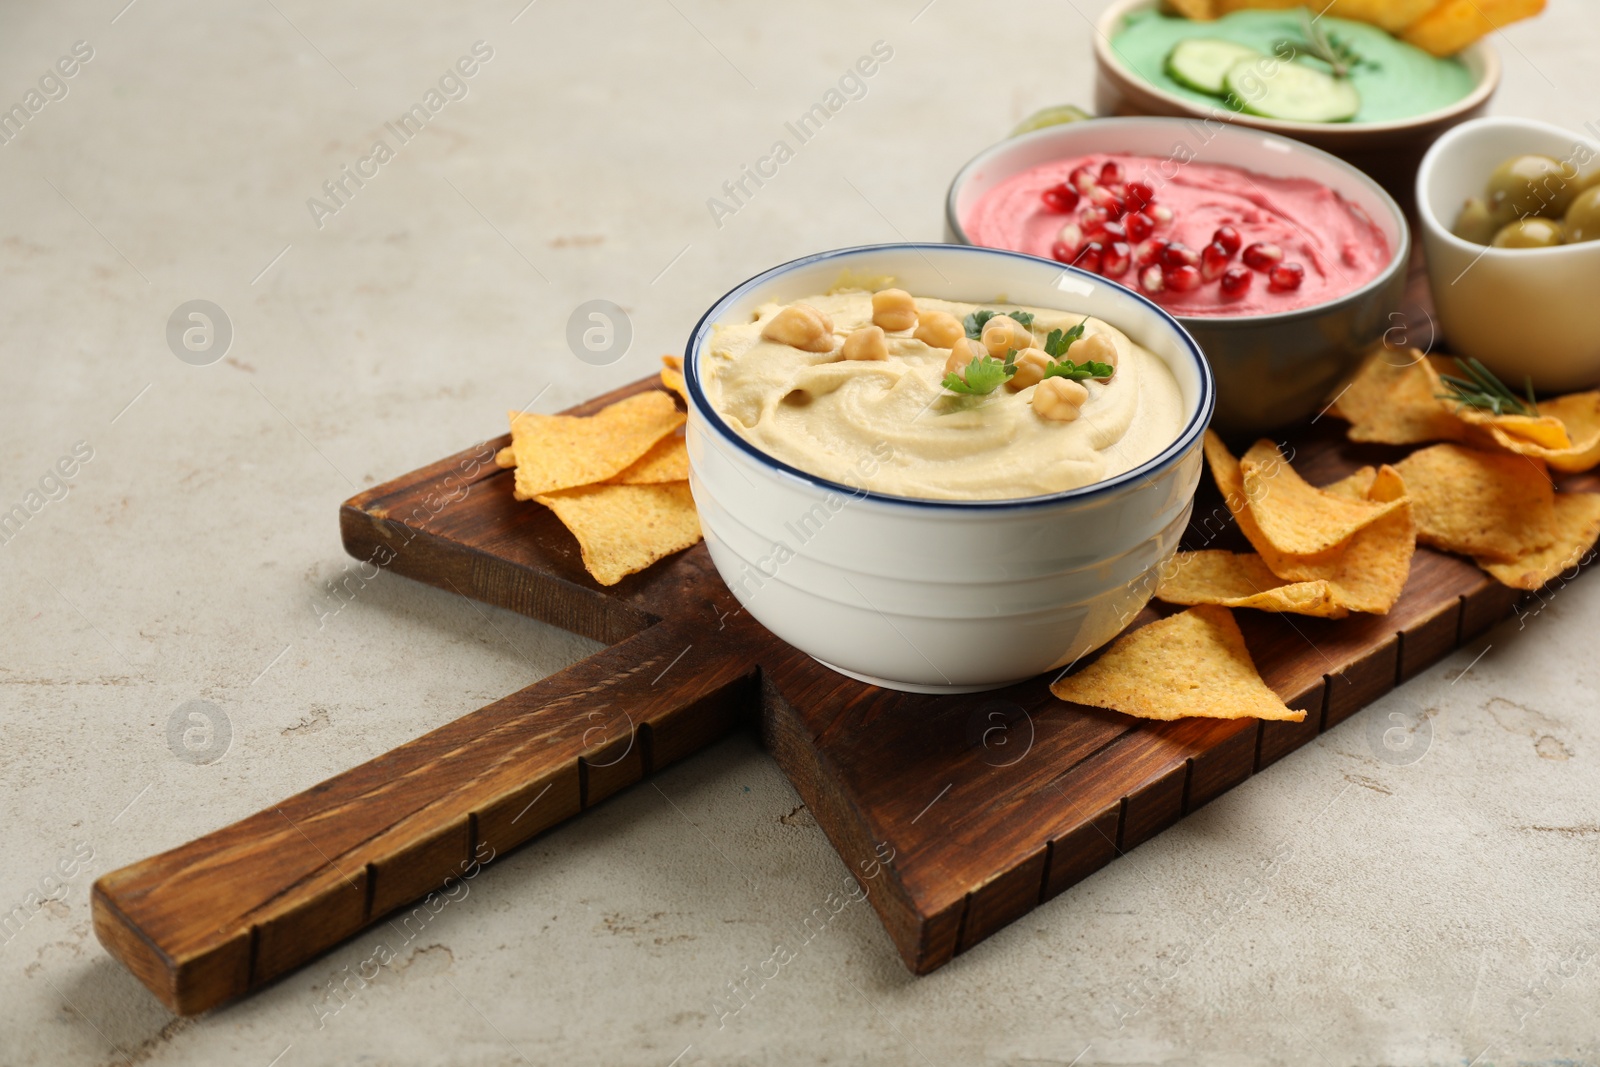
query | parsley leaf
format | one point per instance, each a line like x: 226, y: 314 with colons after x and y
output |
x: 975, y: 321
x: 983, y: 375
x: 1056, y: 345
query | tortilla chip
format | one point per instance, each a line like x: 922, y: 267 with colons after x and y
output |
x: 1371, y: 573
x: 563, y: 451
x: 1454, y: 24
x: 1241, y: 580
x: 1577, y: 526
x: 1353, y: 486
x: 1579, y: 416
x: 1198, y: 10
x: 1193, y: 663
x: 622, y: 529
x: 1391, y: 15
x: 1545, y: 431
x: 1488, y: 505
x: 1392, y: 401
x: 1295, y: 516
x: 667, y: 461
x: 672, y: 376
x: 1230, y: 480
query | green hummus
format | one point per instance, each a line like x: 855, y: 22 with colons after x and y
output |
x: 1397, y: 81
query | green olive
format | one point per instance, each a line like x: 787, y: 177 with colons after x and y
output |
x: 1478, y: 222
x: 1533, y: 185
x: 1531, y: 232
x: 1583, y: 217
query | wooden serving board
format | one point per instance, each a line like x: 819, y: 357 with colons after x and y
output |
x: 961, y: 813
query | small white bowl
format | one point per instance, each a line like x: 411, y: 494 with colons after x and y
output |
x: 943, y: 596
x: 1522, y: 311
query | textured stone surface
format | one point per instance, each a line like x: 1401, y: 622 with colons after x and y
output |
x: 1338, y: 909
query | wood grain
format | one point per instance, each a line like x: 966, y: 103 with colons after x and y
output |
x: 957, y: 813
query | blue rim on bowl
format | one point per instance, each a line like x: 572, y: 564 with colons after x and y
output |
x: 1171, y: 454
x: 1399, y: 258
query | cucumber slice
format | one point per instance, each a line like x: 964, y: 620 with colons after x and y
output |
x: 1294, y: 92
x: 1201, y: 63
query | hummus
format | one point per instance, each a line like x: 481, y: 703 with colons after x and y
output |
x: 1396, y: 81
x: 1340, y: 249
x: 889, y: 426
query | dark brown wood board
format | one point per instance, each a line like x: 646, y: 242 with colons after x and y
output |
x: 959, y: 813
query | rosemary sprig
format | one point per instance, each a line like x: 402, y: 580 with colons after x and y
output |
x: 1479, y: 388
x: 1320, y: 44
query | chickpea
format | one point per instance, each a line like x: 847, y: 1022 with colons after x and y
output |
x: 1059, y: 399
x: 800, y: 326
x: 866, y: 343
x: 1097, y: 347
x: 1031, y: 364
x: 939, y: 329
x: 893, y: 310
x: 962, y: 353
x: 1003, y: 333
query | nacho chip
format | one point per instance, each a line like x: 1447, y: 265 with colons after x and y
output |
x: 1391, y: 15
x: 1577, y: 526
x: 1371, y: 573
x: 562, y: 451
x: 672, y: 376
x: 667, y: 461
x: 1230, y: 480
x: 622, y: 529
x: 506, y: 458
x: 1454, y: 24
x: 1353, y: 486
x: 1193, y: 663
x: 1241, y: 580
x: 1392, y: 401
x: 1198, y: 10
x: 1295, y: 516
x: 1489, y: 505
x: 1546, y: 431
x: 1579, y: 416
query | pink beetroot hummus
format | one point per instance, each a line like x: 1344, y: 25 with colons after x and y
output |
x: 1288, y: 242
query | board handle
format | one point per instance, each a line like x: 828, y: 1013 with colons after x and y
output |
x: 214, y: 919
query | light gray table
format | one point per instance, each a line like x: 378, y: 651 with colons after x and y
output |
x: 1337, y: 909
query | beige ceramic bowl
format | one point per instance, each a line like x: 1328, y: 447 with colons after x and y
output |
x: 1389, y: 151
x: 1525, y: 312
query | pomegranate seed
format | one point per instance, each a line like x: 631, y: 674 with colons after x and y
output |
x: 1152, y: 280
x: 1139, y: 195
x: 1114, y: 230
x: 1262, y: 256
x: 1213, y: 261
x: 1178, y: 254
x: 1140, y: 226
x: 1092, y: 218
x: 1060, y: 198
x: 1071, y: 235
x: 1228, y: 238
x: 1062, y: 252
x: 1107, y: 201
x: 1148, y: 251
x: 1091, y: 256
x: 1116, y: 260
x: 1081, y: 179
x: 1286, y: 277
x: 1110, y: 172
x: 1183, y: 279
x: 1160, y: 214
x: 1236, y: 280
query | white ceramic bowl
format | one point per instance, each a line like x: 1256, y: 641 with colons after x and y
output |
x: 1522, y: 311
x: 1271, y: 369
x: 943, y: 595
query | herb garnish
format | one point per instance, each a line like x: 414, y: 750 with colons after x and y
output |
x: 1328, y: 47
x: 1056, y: 346
x: 975, y: 321
x: 1481, y: 389
x: 983, y: 375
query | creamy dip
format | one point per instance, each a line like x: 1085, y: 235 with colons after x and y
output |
x: 1396, y: 81
x: 890, y: 427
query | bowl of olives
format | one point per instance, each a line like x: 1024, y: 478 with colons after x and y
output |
x: 1510, y: 219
